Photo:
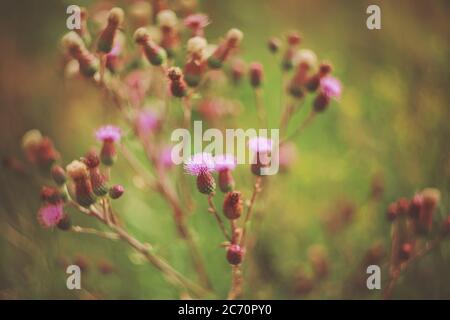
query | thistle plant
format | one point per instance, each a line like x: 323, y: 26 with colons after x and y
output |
x: 157, y: 76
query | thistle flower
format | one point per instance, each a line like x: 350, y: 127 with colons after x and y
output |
x: 98, y: 180
x: 50, y: 215
x: 51, y: 195
x: 58, y: 175
x: 147, y: 122
x: 330, y: 87
x: 256, y: 74
x: 87, y: 62
x: 116, y: 191
x: 293, y: 40
x: 224, y: 165
x: 235, y: 254
x: 232, y: 205
x: 274, y: 45
x: 78, y: 172
x: 196, y: 23
x: 196, y: 65
x: 39, y: 150
x: 109, y: 135
x: 154, y: 53
x: 201, y: 165
x: 261, y: 147
x: 167, y: 21
x: 178, y: 86
x: 106, y: 39
x: 314, y: 81
x: 222, y: 52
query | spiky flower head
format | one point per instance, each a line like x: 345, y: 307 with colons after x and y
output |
x: 108, y: 133
x: 196, y: 46
x: 234, y: 37
x: 50, y: 215
x: 235, y: 254
x: 232, y: 205
x: 178, y: 86
x: 106, y: 39
x: 199, y: 162
x: 196, y: 23
x: 331, y: 87
x: 98, y: 180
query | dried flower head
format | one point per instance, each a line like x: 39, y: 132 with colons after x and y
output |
x: 77, y: 170
x: 50, y: 195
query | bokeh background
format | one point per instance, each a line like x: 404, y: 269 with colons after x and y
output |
x: 390, y: 131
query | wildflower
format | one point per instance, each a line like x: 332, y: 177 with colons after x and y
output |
x: 88, y: 64
x: 196, y: 65
x: 177, y: 84
x: 196, y: 23
x: 39, y: 150
x: 294, y: 40
x: 256, y: 74
x: 106, y: 40
x: 224, y: 165
x: 147, y: 122
x: 330, y: 87
x: 274, y: 45
x: 109, y: 135
x: 235, y: 254
x: 78, y: 172
x: 154, y: 53
x: 315, y: 81
x: 51, y: 195
x: 222, y: 52
x: 59, y: 175
x: 201, y: 165
x: 261, y: 147
x: 98, y: 180
x: 50, y: 215
x: 232, y: 205
x: 167, y: 21
x: 116, y: 191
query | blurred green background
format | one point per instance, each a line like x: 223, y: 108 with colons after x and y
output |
x: 391, y: 125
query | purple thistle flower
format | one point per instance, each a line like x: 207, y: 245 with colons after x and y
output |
x: 200, y: 162
x: 50, y: 215
x: 108, y: 133
x: 147, y: 122
x: 331, y: 87
x: 225, y: 162
x: 260, y: 144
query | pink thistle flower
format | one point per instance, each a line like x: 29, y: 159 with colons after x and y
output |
x: 108, y: 133
x: 147, y: 122
x: 331, y: 87
x: 196, y: 22
x: 165, y: 158
x: 224, y: 162
x: 50, y: 215
x: 198, y: 163
x: 260, y: 144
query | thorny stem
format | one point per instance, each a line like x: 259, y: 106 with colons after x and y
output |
x: 170, y: 273
x: 396, y: 273
x: 213, y: 210
x: 236, y: 282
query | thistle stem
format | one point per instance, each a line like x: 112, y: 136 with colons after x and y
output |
x: 256, y: 190
x: 213, y: 210
x: 106, y: 235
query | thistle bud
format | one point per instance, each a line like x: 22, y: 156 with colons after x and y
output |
x: 106, y: 40
x: 154, y: 53
x: 50, y: 195
x: 313, y: 82
x: 232, y: 205
x: 39, y: 150
x: 235, y: 254
x: 329, y: 88
x: 58, y: 175
x: 84, y: 194
x: 274, y: 45
x: 225, y: 164
x: 116, y: 191
x: 238, y: 69
x: 87, y: 62
x: 298, y: 81
x: 205, y: 182
x: 177, y: 84
x: 196, y: 23
x: 256, y: 74
x: 109, y: 135
x: 195, y: 66
x: 233, y: 38
x: 98, y: 180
